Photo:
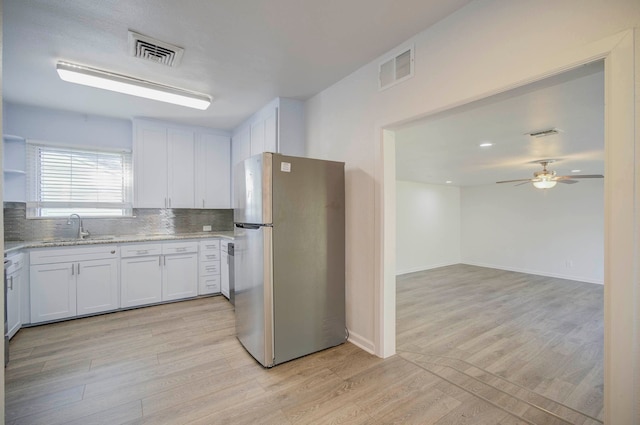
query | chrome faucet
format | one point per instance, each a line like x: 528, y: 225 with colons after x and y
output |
x: 81, y: 232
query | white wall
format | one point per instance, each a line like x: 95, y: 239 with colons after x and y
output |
x: 487, y: 46
x: 557, y: 232
x: 69, y: 128
x: 428, y: 226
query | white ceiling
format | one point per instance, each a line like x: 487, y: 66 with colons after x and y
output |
x: 243, y: 53
x: 445, y: 147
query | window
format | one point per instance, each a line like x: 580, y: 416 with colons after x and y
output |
x: 63, y: 180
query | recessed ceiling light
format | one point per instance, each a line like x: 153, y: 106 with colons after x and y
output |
x: 448, y: 181
x: 486, y: 144
x: 575, y: 171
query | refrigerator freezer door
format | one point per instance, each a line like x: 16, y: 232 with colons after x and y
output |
x: 252, y: 185
x: 309, y: 256
x: 253, y: 291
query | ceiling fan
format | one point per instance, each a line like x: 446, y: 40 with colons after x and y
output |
x: 546, y: 179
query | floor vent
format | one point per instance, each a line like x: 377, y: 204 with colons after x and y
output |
x: 153, y: 50
x: 396, y: 69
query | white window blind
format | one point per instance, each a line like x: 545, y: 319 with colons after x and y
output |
x: 62, y: 180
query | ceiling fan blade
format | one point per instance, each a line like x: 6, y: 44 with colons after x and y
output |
x: 515, y: 181
x: 586, y: 176
x: 567, y: 181
x: 520, y: 184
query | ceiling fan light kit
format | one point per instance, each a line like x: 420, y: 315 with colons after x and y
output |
x: 547, y: 179
x: 106, y: 80
x: 544, y: 184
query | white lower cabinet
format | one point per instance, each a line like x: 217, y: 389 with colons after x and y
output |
x: 60, y: 288
x: 140, y: 279
x: 77, y: 281
x: 209, y: 276
x: 156, y: 272
x: 180, y: 273
x: 97, y: 286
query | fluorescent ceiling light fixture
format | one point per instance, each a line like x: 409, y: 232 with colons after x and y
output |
x: 486, y: 144
x: 133, y: 86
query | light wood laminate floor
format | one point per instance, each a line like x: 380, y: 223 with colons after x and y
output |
x: 525, y: 334
x: 181, y: 363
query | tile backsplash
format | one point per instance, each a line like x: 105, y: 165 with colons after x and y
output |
x: 146, y: 221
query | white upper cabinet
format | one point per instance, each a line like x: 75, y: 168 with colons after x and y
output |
x: 277, y: 127
x: 181, y: 183
x: 213, y: 173
x: 240, y: 146
x: 180, y: 166
x: 150, y: 164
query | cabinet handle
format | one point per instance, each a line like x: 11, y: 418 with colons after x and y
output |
x: 139, y: 252
x: 203, y: 203
x: 181, y: 249
x: 78, y: 269
x: 165, y: 259
x: 169, y: 202
x: 11, y: 283
x: 165, y: 202
x: 160, y: 260
x: 73, y: 271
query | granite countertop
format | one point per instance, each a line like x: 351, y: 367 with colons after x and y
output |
x: 10, y: 246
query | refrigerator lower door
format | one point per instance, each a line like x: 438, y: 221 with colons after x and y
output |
x: 254, y: 291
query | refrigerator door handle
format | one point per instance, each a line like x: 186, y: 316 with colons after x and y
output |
x: 248, y: 226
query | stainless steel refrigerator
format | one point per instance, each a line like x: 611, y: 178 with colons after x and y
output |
x: 289, y: 256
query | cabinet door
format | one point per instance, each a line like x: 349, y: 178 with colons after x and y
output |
x: 150, y: 166
x: 97, y: 286
x: 213, y: 174
x: 257, y: 137
x: 224, y: 274
x: 271, y: 132
x: 140, y: 281
x: 181, y: 176
x: 180, y: 276
x: 240, y: 150
x: 14, y: 290
x: 53, y: 291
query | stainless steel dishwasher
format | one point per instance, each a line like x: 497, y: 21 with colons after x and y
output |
x: 7, y: 264
x: 232, y: 273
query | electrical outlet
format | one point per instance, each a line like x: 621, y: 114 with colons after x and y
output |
x: 206, y: 228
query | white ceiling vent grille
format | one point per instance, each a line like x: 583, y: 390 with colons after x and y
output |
x: 396, y: 69
x: 153, y: 50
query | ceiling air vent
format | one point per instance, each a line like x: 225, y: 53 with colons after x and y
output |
x: 544, y: 133
x: 396, y: 69
x: 153, y: 50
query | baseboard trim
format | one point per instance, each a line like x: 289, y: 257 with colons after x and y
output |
x: 536, y: 272
x: 423, y: 268
x: 361, y: 342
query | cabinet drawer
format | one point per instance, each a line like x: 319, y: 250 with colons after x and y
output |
x: 61, y: 255
x: 179, y: 247
x: 210, y: 245
x: 17, y: 261
x: 210, y: 268
x: 140, y: 250
x: 206, y: 256
x: 209, y: 285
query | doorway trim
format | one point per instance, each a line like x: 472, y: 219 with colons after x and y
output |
x: 622, y: 221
